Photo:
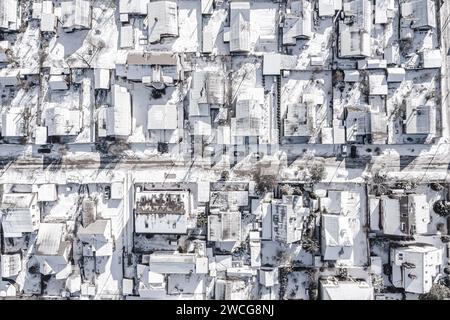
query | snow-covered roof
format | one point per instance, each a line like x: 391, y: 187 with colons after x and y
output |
x: 102, y: 78
x: 172, y: 263
x: 76, y: 14
x: 396, y: 74
x: 239, y: 26
x: 10, y: 265
x: 422, y: 13
x: 118, y: 116
x: 332, y: 289
x: 133, y: 7
x: 50, y: 239
x: 13, y: 123
x: 327, y: 8
x: 61, y: 121
x: 298, y: 24
x: 47, y: 192
x: 17, y: 222
x: 337, y: 237
x: 162, y: 20
x: 9, y: 15
x: 414, y: 267
x: 419, y: 119
x: 162, y: 117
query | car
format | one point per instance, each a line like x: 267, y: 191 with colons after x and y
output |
x: 107, y: 193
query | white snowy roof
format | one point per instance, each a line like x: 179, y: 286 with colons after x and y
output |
x: 337, y: 237
x: 50, y: 240
x: 239, y: 26
x: 415, y: 267
x: 76, y: 14
x: 162, y: 20
x: 9, y: 17
x: 345, y: 290
x: 13, y: 123
x: 377, y: 84
x: 118, y: 116
x: 162, y: 117
x: 102, y: 77
x: 135, y: 7
x: 61, y: 121
x: 172, y: 263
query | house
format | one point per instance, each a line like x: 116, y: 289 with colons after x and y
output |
x: 133, y: 7
x: 378, y: 128
x: 384, y: 11
x: 163, y: 212
x: 10, y: 15
x: 225, y: 226
x: 357, y: 124
x: 157, y: 69
x: 288, y: 216
x: 48, y: 22
x: 58, y: 82
x: 414, y: 267
x: 395, y: 74
x: 76, y: 15
x: 162, y: 117
x: 333, y: 289
x: 207, y: 88
x: 239, y: 26
x: 10, y: 265
x: 61, y: 121
x: 300, y: 120
x: 327, y: 8
x: 419, y: 119
x: 406, y: 215
x: 52, y: 250
x: 298, y: 24
x: 20, y: 214
x: 351, y: 76
x: 162, y: 19
x: 102, y: 79
x: 354, y: 34
x: 13, y: 123
x: 152, y: 285
x: 268, y: 277
x: 232, y: 289
x: 9, y: 77
x: 431, y: 59
x: 47, y: 192
x: 126, y: 36
x: 96, y: 238
x: 420, y: 13
x: 378, y: 85
x: 336, y: 237
x: 173, y: 263
x: 118, y: 116
x: 249, y: 107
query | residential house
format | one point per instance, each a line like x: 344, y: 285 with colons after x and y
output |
x: 333, y: 289
x: 239, y: 26
x: 162, y: 20
x: 405, y: 215
x: 414, y: 267
x: 354, y: 31
x: 76, y: 15
x: 53, y: 250
x: 163, y: 212
x: 298, y: 23
x: 20, y: 214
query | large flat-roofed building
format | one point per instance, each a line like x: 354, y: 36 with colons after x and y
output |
x: 161, y: 211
